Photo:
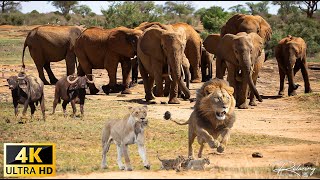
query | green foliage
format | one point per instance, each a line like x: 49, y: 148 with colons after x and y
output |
x: 239, y: 9
x: 131, y: 13
x: 83, y: 10
x: 286, y: 7
x: 10, y: 6
x: 213, y: 18
x: 12, y: 19
x: 260, y: 8
x: 64, y: 6
x: 178, y: 7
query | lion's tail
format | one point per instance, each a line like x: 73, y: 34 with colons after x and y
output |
x: 158, y: 156
x: 179, y: 123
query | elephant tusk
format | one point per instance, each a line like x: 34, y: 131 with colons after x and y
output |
x: 88, y: 80
x: 71, y: 82
x: 169, y: 74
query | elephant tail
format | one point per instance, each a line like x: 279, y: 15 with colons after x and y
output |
x: 24, y: 49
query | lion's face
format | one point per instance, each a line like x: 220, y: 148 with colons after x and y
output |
x: 217, y: 98
x: 139, y: 114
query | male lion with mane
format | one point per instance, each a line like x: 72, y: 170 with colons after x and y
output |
x: 129, y: 130
x: 213, y: 115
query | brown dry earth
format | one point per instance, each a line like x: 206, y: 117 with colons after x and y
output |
x: 274, y: 116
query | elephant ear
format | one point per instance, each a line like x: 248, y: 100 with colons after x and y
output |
x: 232, y: 25
x: 124, y: 41
x: 265, y: 29
x: 226, y: 48
x: 211, y: 43
x: 258, y: 44
x: 150, y: 42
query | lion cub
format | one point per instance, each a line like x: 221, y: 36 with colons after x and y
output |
x: 129, y: 130
x: 174, y: 164
x: 198, y: 164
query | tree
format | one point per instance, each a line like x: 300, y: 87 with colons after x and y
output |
x: 312, y: 6
x: 131, y: 13
x: 83, y: 10
x: 179, y: 7
x: 260, y: 8
x: 213, y: 18
x: 239, y: 9
x: 286, y: 7
x: 10, y: 6
x: 64, y: 6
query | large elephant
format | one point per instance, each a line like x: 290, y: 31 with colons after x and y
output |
x: 98, y: 48
x: 52, y: 44
x: 247, y: 23
x: 161, y: 51
x: 291, y: 56
x: 241, y: 53
x: 193, y: 50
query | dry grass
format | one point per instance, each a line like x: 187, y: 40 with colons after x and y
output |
x: 79, y: 141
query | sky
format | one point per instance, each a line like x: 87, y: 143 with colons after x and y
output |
x: 96, y: 6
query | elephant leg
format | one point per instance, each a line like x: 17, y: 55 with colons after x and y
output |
x: 221, y: 67
x: 70, y: 63
x: 53, y: 79
x: 203, y: 69
x: 41, y: 73
x: 166, y: 91
x: 146, y: 82
x: 158, y: 71
x: 243, y: 94
x: 111, y: 65
x: 291, y: 89
x: 39, y: 62
x: 255, y: 75
x: 87, y: 70
x: 173, y: 97
x: 193, y: 54
x: 134, y: 67
x: 282, y: 75
x: 231, y: 79
x: 305, y: 75
x: 126, y: 69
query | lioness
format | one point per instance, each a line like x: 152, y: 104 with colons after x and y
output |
x: 129, y: 130
x: 213, y: 115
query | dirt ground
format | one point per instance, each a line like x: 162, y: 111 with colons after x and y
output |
x: 274, y: 116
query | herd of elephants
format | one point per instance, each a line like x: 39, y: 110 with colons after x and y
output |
x: 170, y: 54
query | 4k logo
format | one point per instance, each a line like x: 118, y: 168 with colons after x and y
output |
x: 29, y: 159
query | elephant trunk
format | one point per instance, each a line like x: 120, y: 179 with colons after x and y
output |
x: 185, y: 87
x: 247, y: 74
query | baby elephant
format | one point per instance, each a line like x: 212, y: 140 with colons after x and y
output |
x: 26, y: 90
x: 71, y: 91
x: 291, y: 54
x: 198, y: 164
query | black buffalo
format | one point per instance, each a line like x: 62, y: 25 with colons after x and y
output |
x: 73, y: 91
x: 26, y: 90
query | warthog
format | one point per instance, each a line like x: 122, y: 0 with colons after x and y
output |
x: 73, y: 91
x: 26, y: 90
